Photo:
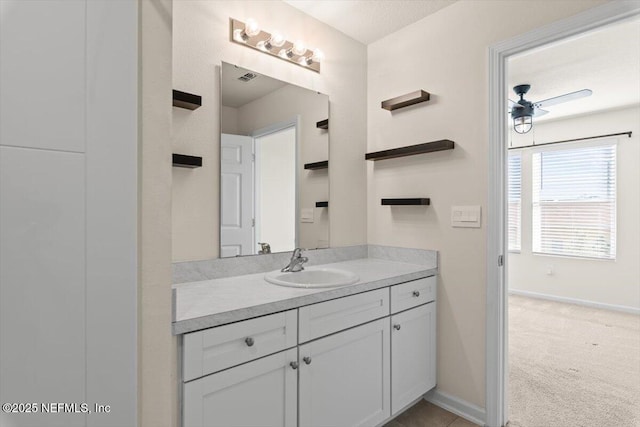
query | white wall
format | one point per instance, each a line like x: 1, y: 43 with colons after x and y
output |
x: 157, y: 347
x: 68, y: 220
x: 446, y: 55
x: 609, y: 282
x: 276, y: 190
x: 201, y: 42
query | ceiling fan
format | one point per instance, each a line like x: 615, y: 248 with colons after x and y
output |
x: 522, y: 111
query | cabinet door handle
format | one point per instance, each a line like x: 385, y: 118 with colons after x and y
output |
x: 307, y: 360
x: 416, y: 293
x: 294, y: 365
x: 249, y: 341
x: 396, y: 327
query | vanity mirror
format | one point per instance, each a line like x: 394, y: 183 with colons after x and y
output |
x: 274, y: 175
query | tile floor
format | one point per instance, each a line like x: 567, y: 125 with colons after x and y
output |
x: 425, y: 414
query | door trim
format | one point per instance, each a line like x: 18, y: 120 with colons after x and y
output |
x: 496, y: 296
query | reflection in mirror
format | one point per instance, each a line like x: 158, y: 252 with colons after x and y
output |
x: 269, y: 201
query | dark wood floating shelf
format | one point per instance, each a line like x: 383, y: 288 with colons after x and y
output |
x: 186, y: 100
x: 322, y: 204
x: 405, y: 100
x: 317, y: 165
x: 411, y: 150
x: 406, y: 202
x: 323, y: 124
x: 184, y: 161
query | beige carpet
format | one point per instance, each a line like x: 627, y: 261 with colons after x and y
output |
x: 572, y: 365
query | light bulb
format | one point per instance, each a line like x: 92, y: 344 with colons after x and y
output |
x: 298, y: 48
x: 283, y: 53
x: 240, y: 36
x: 262, y: 45
x: 303, y: 61
x: 251, y: 28
x: 318, y: 55
x: 277, y: 39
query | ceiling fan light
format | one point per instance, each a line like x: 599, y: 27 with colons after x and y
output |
x: 522, y: 124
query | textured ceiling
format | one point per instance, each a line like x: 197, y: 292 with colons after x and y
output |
x: 369, y: 20
x: 607, y: 61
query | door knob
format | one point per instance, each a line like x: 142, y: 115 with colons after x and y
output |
x: 249, y: 341
x: 294, y: 365
x: 396, y: 327
x: 416, y: 293
x: 307, y: 360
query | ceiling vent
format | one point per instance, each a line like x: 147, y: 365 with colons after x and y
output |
x: 247, y: 77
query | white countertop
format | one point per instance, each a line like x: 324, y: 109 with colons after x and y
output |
x: 208, y: 303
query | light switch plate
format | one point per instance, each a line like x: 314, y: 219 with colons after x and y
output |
x: 306, y: 214
x: 466, y: 216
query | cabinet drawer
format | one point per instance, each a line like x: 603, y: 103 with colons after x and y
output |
x: 214, y: 349
x: 331, y: 316
x: 412, y: 294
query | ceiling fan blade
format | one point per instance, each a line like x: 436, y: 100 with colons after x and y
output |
x: 539, y: 112
x: 564, y: 98
x: 513, y: 104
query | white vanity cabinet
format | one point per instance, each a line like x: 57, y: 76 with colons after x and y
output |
x: 413, y: 341
x: 344, y: 354
x: 352, y: 361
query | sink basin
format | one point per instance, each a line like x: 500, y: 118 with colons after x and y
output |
x: 312, y: 278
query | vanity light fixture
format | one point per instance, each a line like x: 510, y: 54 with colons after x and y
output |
x: 249, y: 34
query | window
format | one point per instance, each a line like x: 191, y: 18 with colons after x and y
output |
x: 574, y: 202
x: 514, y: 171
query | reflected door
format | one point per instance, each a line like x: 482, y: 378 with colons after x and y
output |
x: 236, y: 188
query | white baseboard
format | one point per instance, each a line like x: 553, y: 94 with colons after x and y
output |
x: 586, y: 303
x: 464, y: 409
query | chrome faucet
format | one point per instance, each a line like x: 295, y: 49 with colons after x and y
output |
x: 265, y: 248
x: 295, y: 264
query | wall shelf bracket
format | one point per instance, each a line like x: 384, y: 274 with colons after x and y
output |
x: 411, y: 150
x: 184, y: 161
x: 406, y: 202
x: 405, y: 100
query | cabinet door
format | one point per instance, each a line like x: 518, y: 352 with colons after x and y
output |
x: 258, y: 393
x: 344, y: 378
x: 413, y: 355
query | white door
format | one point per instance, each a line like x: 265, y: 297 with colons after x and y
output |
x: 258, y: 393
x: 236, y: 195
x: 413, y: 355
x: 344, y: 380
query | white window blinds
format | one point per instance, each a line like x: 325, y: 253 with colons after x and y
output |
x: 574, y: 202
x: 514, y: 176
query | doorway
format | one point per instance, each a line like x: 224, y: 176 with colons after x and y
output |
x: 497, y: 322
x: 258, y: 187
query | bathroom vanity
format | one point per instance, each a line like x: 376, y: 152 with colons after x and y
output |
x: 254, y: 353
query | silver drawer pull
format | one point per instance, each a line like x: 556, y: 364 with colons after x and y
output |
x: 416, y: 293
x: 396, y: 327
x: 307, y: 360
x: 294, y: 365
x: 249, y: 341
